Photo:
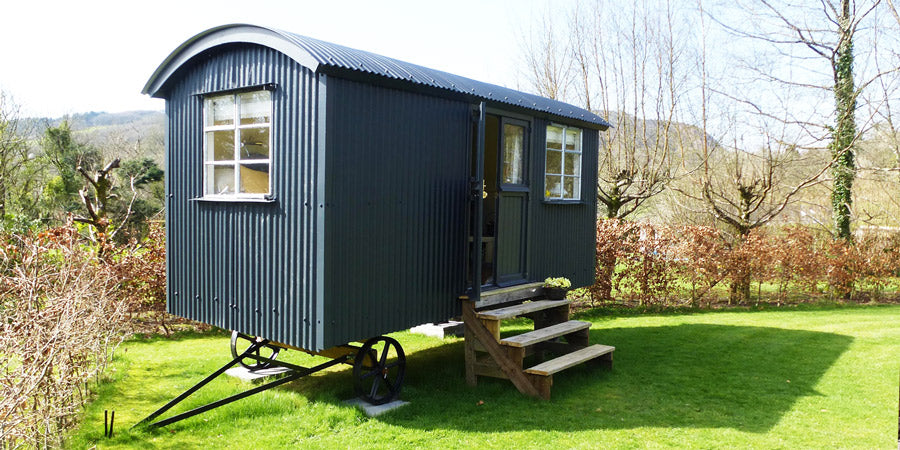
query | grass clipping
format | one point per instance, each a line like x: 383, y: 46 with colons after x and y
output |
x: 59, y: 325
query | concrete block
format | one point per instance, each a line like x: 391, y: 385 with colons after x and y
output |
x: 440, y: 330
x: 375, y: 410
x: 244, y: 374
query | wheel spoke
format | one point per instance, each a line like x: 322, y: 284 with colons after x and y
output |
x: 390, y: 386
x: 375, y: 386
x: 384, y: 354
x: 369, y: 373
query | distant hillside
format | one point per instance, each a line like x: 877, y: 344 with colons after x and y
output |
x: 126, y: 135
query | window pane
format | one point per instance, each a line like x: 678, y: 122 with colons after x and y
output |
x: 256, y: 107
x: 255, y: 178
x: 255, y: 143
x: 222, y: 145
x: 219, y: 179
x: 220, y: 110
x: 554, y: 162
x: 573, y: 163
x: 552, y: 186
x: 554, y: 137
x: 573, y: 139
x: 569, y: 187
x: 513, y: 154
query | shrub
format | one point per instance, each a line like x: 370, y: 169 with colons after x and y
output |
x: 650, y: 264
x: 59, y: 324
x: 643, y: 264
x: 699, y: 261
x: 140, y: 269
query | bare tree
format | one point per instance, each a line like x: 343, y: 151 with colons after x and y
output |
x: 626, y: 65
x: 13, y: 148
x: 830, y: 48
x: 746, y: 189
x: 547, y: 67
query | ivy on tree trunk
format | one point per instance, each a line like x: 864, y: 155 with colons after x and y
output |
x: 844, y: 167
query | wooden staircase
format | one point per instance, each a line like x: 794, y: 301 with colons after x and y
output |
x: 489, y: 355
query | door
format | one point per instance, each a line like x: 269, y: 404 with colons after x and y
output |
x: 498, y: 235
x: 512, y: 202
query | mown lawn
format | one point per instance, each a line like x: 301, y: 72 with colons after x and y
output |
x: 791, y: 378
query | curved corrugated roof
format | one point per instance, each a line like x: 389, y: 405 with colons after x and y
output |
x: 317, y: 55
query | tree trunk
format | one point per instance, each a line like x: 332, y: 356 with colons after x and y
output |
x: 844, y: 133
x: 740, y: 291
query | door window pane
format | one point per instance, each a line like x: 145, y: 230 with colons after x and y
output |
x: 513, y: 154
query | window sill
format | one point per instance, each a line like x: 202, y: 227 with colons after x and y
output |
x: 564, y: 202
x: 234, y: 199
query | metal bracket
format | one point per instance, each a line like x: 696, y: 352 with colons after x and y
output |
x: 296, y: 372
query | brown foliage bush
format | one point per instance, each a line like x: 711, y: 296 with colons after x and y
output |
x: 642, y: 272
x: 648, y: 264
x: 140, y: 270
x: 59, y: 324
x: 699, y: 261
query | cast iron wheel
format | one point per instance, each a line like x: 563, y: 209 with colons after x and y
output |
x: 239, y: 344
x: 378, y: 370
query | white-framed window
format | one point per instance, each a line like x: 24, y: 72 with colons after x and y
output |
x: 237, y: 144
x: 562, y: 169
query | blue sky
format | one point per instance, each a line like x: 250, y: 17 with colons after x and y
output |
x: 63, y: 57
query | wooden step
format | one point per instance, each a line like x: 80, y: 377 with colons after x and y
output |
x: 517, y: 310
x: 545, y: 334
x: 510, y: 294
x: 564, y: 362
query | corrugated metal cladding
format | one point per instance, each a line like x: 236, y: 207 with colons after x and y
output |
x: 333, y: 55
x: 562, y: 236
x: 395, y: 217
x: 245, y: 266
x: 325, y: 57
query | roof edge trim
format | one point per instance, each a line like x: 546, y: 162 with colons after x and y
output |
x: 221, y: 35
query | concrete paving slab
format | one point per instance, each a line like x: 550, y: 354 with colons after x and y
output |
x: 375, y: 410
x: 440, y: 330
x: 256, y: 376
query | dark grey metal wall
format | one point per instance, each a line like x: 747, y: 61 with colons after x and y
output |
x: 246, y: 266
x: 367, y: 233
x: 562, y: 235
x: 397, y: 181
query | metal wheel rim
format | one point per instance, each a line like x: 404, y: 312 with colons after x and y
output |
x: 378, y: 370
x: 240, y: 342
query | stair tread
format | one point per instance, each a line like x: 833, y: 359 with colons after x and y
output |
x: 507, y: 290
x: 571, y: 359
x: 518, y: 310
x: 545, y: 334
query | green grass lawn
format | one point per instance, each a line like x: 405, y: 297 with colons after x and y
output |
x: 793, y: 378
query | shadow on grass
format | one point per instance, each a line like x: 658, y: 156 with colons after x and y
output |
x: 689, y: 375
x: 695, y: 375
